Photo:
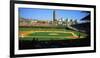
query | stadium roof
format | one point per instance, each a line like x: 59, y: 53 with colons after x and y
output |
x: 86, y: 18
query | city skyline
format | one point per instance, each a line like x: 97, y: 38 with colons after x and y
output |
x: 47, y: 14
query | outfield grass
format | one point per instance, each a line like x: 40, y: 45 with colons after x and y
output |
x: 35, y: 29
x: 52, y: 34
x: 49, y: 34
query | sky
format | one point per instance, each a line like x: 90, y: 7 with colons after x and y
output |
x: 47, y: 14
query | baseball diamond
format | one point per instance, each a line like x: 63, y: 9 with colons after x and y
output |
x: 50, y: 34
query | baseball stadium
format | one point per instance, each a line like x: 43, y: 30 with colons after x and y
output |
x: 56, y: 33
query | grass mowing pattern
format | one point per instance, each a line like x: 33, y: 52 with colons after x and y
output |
x: 48, y: 35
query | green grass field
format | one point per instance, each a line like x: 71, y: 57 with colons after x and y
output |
x: 49, y: 34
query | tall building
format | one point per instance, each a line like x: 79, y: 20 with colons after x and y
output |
x: 54, y: 15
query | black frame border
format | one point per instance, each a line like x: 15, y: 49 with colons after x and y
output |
x: 12, y: 55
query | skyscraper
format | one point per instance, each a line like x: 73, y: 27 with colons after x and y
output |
x: 54, y: 14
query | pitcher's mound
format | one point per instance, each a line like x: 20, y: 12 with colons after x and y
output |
x: 53, y: 34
